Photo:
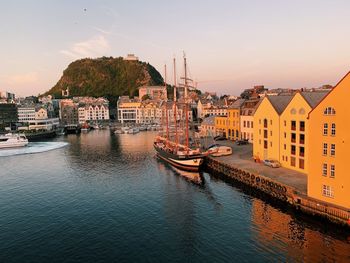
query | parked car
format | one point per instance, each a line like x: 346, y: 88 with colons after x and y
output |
x: 272, y: 163
x: 220, y: 138
x: 242, y: 142
x: 219, y: 150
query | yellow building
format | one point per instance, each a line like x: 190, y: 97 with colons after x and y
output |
x: 221, y: 125
x: 294, y: 130
x: 266, y: 142
x: 233, y: 120
x: 329, y: 147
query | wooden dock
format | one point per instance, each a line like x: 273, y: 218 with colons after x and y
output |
x: 279, y: 191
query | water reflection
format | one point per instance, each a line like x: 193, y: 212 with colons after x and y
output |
x: 281, y: 232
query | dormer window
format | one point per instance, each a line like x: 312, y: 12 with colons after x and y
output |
x: 329, y: 111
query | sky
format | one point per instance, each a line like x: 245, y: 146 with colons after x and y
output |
x: 230, y: 45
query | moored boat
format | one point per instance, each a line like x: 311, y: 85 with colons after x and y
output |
x: 13, y: 140
x: 178, y: 155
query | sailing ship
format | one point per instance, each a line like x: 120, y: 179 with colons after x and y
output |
x: 180, y: 155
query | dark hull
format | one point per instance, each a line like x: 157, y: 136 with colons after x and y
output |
x: 188, y: 163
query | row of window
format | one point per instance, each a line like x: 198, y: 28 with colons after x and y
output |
x: 247, y: 124
x: 325, y: 129
x: 293, y: 161
x: 331, y: 170
x: 332, y: 149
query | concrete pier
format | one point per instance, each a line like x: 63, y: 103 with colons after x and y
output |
x: 279, y: 183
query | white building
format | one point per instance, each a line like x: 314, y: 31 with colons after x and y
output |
x: 128, y: 110
x: 131, y: 57
x: 207, y: 127
x: 93, y: 113
x: 90, y: 109
x: 247, y: 119
x: 26, y: 114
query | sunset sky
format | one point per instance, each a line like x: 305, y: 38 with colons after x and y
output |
x: 230, y: 45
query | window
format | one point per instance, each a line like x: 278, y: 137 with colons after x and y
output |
x: 270, y: 144
x: 302, y: 126
x: 271, y: 133
x: 325, y: 149
x: 327, y: 191
x: 293, y: 125
x: 251, y: 124
x: 259, y: 132
x: 285, y: 135
x: 259, y: 141
x: 332, y: 149
x: 265, y: 123
x: 293, y: 137
x: 332, y: 175
x: 270, y: 122
x: 325, y: 129
x: 248, y: 124
x: 333, y: 129
x: 324, y: 169
x: 292, y: 161
x: 244, y: 124
x: 265, y: 144
x: 292, y: 150
x: 329, y: 111
x: 265, y: 134
x: 259, y: 121
x: 302, y: 151
x: 301, y: 163
x: 285, y: 123
x: 302, y: 139
x: 286, y: 158
x: 285, y: 146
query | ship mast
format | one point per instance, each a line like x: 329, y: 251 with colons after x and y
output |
x: 166, y: 107
x: 186, y: 103
x: 175, y: 114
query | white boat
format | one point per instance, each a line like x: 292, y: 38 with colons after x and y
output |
x: 13, y: 140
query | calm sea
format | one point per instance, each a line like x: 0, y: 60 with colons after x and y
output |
x: 100, y: 197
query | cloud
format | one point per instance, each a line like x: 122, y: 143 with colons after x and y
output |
x: 93, y: 47
x: 26, y: 78
x: 101, y: 30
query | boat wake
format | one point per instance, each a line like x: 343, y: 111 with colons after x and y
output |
x: 33, y: 147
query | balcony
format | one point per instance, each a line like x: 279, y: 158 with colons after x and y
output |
x: 294, y: 128
x: 302, y: 129
x: 292, y: 152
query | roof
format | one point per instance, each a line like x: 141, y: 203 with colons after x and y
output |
x: 209, y: 121
x: 313, y: 98
x: 237, y: 104
x: 280, y: 102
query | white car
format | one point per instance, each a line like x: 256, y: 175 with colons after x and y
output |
x: 219, y: 150
x: 272, y: 163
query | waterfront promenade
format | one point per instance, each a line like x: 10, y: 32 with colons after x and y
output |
x: 242, y: 157
x: 280, y: 183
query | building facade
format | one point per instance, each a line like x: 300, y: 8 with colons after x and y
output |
x: 8, y: 114
x: 153, y: 92
x: 207, y: 127
x: 247, y: 119
x: 266, y: 141
x: 233, y: 120
x: 329, y: 146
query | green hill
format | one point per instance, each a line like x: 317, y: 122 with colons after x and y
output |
x: 105, y: 77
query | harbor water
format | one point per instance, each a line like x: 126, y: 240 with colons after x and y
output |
x: 100, y: 197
